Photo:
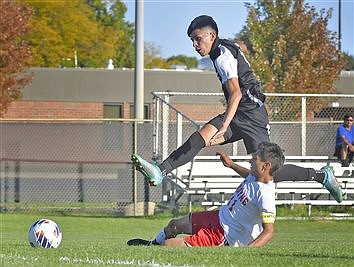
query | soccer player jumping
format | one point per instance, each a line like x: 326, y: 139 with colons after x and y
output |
x: 245, y: 117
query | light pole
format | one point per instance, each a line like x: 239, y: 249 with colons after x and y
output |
x: 339, y: 25
x: 139, y: 60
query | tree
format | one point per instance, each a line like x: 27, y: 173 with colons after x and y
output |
x: 14, y: 51
x: 190, y: 62
x: 110, y: 15
x: 152, y: 58
x: 349, y: 61
x: 93, y: 30
x: 291, y: 49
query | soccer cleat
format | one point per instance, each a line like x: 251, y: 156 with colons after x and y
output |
x: 138, y: 242
x: 331, y: 184
x: 151, y: 172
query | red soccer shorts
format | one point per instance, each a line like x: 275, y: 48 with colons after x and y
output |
x: 206, y: 230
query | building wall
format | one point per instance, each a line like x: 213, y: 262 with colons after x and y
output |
x: 345, y: 83
x: 101, y: 85
x: 54, y: 110
x: 83, y: 93
x: 201, y: 112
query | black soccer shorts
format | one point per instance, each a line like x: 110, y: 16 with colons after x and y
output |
x: 252, y: 126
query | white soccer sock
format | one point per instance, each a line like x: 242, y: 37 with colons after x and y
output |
x: 161, y: 237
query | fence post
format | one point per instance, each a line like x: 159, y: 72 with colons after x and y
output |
x: 179, y: 129
x: 135, y: 176
x: 17, y: 181
x: 234, y: 148
x: 179, y: 133
x: 155, y: 133
x: 80, y: 170
x: 6, y: 181
x: 165, y: 124
x: 303, y: 126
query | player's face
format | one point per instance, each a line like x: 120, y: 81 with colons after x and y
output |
x: 258, y: 166
x: 202, y: 41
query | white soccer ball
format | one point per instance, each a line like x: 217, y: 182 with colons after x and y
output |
x: 44, y: 233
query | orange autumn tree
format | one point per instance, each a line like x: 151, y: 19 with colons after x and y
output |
x: 14, y: 51
x: 292, y: 50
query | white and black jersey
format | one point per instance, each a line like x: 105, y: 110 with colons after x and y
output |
x: 250, y: 122
x: 230, y: 62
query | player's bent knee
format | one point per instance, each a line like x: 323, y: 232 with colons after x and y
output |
x: 175, y: 242
x: 171, y: 230
x: 207, y: 132
x: 178, y: 226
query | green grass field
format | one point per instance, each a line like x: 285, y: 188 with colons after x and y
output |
x: 101, y: 241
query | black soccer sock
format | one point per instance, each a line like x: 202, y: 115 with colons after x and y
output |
x: 292, y: 172
x: 154, y: 243
x: 319, y: 176
x: 185, y: 153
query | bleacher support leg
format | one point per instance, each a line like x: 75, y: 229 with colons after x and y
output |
x: 309, y: 212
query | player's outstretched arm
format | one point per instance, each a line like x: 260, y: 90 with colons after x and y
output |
x: 228, y: 162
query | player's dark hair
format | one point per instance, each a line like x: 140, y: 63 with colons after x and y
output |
x: 271, y: 152
x: 201, y: 22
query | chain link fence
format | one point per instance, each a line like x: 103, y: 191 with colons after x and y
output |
x: 74, y: 165
x: 84, y: 165
x: 302, y: 124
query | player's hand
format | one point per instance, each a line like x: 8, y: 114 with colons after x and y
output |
x: 225, y: 159
x: 219, y: 134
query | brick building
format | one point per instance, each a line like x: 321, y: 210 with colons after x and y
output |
x: 100, y: 93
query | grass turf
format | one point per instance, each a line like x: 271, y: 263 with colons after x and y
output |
x: 101, y: 241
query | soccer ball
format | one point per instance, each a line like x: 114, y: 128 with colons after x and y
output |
x: 44, y: 233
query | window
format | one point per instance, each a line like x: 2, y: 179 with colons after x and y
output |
x: 113, y: 111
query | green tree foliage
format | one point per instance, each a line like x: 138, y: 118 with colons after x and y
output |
x: 110, y: 15
x: 14, y: 52
x: 94, y: 30
x: 349, y: 61
x: 190, y: 62
x: 291, y: 49
x: 152, y: 58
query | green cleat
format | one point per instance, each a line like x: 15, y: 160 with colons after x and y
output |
x: 331, y: 184
x: 151, y: 172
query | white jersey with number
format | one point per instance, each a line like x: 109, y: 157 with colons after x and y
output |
x: 252, y: 204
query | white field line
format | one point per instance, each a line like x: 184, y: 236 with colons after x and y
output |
x: 17, y: 257
x: 98, y: 261
x: 92, y: 261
